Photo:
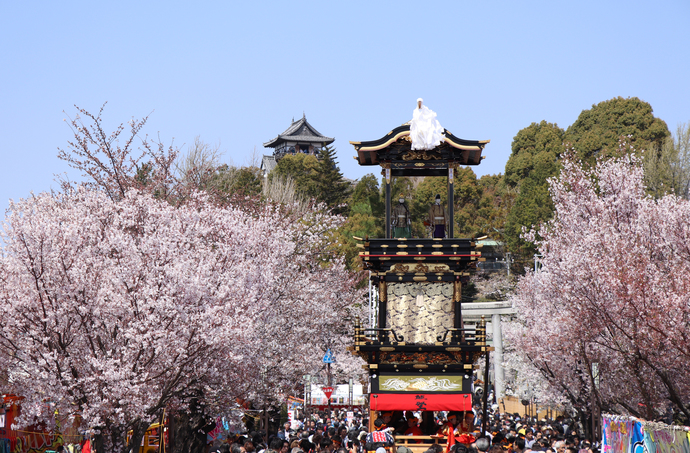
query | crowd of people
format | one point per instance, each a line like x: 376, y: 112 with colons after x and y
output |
x: 450, y: 432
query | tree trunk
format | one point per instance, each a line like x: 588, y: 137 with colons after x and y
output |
x: 188, y: 430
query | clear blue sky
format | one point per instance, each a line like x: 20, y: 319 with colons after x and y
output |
x: 236, y: 73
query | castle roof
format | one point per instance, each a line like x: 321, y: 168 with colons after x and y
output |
x: 300, y: 131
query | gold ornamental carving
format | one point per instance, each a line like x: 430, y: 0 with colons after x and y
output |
x: 419, y: 268
x: 421, y: 155
x: 400, y: 268
x: 383, y: 290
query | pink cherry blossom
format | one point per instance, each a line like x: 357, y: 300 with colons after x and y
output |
x: 612, y: 294
x: 113, y: 310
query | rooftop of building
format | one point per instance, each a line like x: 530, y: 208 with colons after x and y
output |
x: 300, y: 131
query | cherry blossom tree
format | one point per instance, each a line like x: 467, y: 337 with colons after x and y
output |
x: 119, y: 161
x: 605, y: 321
x: 114, y: 308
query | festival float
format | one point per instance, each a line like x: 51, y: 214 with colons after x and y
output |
x: 419, y: 355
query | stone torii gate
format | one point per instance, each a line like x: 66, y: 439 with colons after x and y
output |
x: 474, y: 312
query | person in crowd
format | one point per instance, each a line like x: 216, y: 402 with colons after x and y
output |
x: 413, y: 427
x: 326, y: 445
x: 482, y: 444
x: 285, y: 432
x: 380, y: 438
x: 529, y: 438
x: 519, y: 445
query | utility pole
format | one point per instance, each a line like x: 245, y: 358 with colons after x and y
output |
x: 509, y: 257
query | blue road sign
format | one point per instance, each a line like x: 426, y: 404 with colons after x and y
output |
x: 328, y: 358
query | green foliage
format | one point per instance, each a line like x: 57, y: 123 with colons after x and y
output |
x: 532, y: 206
x: 534, y: 159
x: 421, y: 200
x: 667, y: 170
x: 301, y: 168
x: 361, y: 223
x: 536, y: 142
x: 467, y: 194
x: 400, y: 186
x: 319, y: 179
x: 494, y: 205
x: 480, y: 205
x: 597, y: 131
x: 236, y: 181
x: 366, y: 217
x: 367, y: 191
x: 330, y: 186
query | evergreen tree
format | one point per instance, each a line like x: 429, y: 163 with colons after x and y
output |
x: 597, y: 132
x: 534, y: 159
x: 367, y: 191
x: 304, y: 169
x: 331, y: 188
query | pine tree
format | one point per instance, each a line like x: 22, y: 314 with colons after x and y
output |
x: 332, y: 189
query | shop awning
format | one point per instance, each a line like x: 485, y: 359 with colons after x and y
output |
x: 407, y: 401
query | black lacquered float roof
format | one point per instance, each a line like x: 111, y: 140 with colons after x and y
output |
x: 396, y: 146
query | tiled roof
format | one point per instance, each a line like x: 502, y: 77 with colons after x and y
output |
x: 268, y: 163
x: 299, y: 131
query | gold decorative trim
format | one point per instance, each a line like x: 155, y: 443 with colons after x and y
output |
x: 423, y: 155
x: 400, y: 268
x: 386, y: 143
x: 457, y: 291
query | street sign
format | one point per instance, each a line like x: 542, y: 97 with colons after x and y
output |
x: 328, y: 391
x: 328, y: 358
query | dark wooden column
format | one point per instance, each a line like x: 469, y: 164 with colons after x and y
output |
x: 388, y: 203
x: 383, y: 308
x: 457, y: 306
x: 451, y: 203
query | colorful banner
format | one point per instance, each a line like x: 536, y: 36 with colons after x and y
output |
x: 630, y: 435
x: 617, y: 435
